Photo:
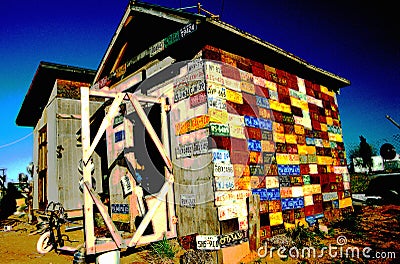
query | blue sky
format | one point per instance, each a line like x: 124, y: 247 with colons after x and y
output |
x: 354, y: 39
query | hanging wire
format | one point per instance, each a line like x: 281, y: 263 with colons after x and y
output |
x: 16, y: 141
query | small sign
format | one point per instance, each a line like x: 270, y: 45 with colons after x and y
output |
x: 273, y: 194
x: 119, y: 119
x: 237, y: 131
x: 234, y: 96
x: 119, y: 136
x: 184, y: 151
x: 219, y: 130
x: 126, y: 185
x: 200, y: 147
x: 186, y: 89
x: 275, y: 218
x: 232, y: 238
x: 226, y: 212
x: 220, y: 155
x: 223, y: 169
x: 156, y: 48
x: 247, y: 87
x: 188, y: 200
x: 292, y: 203
x: 216, y: 90
x: 188, y: 29
x: 265, y: 124
x: 218, y: 116
x: 262, y: 102
x: 229, y: 197
x: 120, y: 208
x: 216, y: 102
x: 271, y: 182
x: 198, y: 99
x: 274, y: 206
x: 284, y: 181
x: 224, y: 183
x: 207, y: 242
x: 262, y: 193
x: 288, y: 170
x: 256, y: 169
x: 254, y: 145
x: 330, y: 196
x: 199, y: 122
x: 251, y: 121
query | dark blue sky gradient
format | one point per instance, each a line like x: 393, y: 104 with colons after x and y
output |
x: 356, y: 40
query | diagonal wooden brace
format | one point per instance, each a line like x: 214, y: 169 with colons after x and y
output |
x: 143, y: 117
x: 149, y: 215
x: 114, y: 108
x: 103, y: 211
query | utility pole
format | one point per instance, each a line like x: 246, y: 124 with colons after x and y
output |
x: 394, y: 122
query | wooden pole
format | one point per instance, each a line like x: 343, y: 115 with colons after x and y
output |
x: 87, y: 175
x: 254, y: 221
x: 169, y: 176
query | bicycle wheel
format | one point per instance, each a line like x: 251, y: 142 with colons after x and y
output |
x: 43, y: 246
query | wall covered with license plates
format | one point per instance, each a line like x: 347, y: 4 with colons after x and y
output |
x: 265, y: 131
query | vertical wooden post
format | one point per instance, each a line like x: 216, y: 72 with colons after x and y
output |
x: 87, y: 175
x: 254, y: 221
x: 168, y: 175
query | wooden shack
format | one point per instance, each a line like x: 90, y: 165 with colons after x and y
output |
x: 211, y: 135
x: 52, y: 108
x: 253, y: 132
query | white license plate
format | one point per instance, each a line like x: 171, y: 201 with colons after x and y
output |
x: 207, y: 242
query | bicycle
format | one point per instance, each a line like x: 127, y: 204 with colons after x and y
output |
x: 51, y: 237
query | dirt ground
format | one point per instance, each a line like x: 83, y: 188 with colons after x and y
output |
x: 378, y: 229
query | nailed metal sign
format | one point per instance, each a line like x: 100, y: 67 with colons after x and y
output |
x: 200, y: 147
x: 198, y: 99
x: 229, y: 197
x: 232, y: 238
x: 273, y: 194
x: 254, y: 145
x: 207, y: 242
x: 186, y: 89
x: 224, y: 183
x: 219, y: 130
x: 188, y: 200
x: 220, y: 155
x: 288, y: 170
x: 262, y: 193
x: 251, y: 121
x: 223, y: 169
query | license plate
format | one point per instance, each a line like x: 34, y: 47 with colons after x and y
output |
x: 234, y: 96
x: 219, y: 130
x: 205, y: 242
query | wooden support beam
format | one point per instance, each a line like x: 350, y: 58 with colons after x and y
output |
x: 143, y: 117
x: 254, y: 221
x: 112, y: 112
x: 169, y: 176
x: 112, y: 94
x: 149, y: 215
x: 107, y: 219
x: 86, y: 171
